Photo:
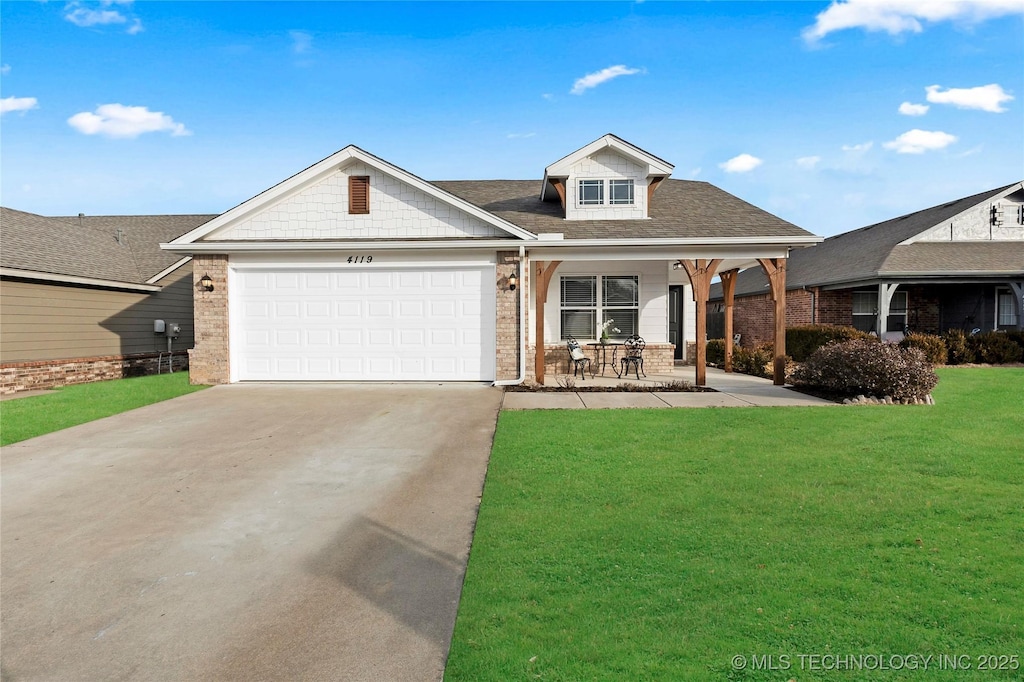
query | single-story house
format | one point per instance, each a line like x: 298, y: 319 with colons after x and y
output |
x: 355, y: 269
x: 79, y: 297
x: 959, y: 265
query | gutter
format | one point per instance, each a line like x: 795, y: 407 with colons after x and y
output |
x: 73, y: 279
x: 522, y: 328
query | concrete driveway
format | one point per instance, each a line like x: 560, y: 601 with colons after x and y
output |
x: 246, y: 532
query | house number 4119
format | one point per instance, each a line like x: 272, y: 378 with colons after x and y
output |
x: 360, y: 259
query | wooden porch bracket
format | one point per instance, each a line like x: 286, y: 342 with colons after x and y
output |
x: 700, y: 272
x: 775, y: 268
x: 728, y: 289
x: 1018, y: 293
x: 540, y: 286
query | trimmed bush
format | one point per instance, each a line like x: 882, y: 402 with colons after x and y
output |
x: 866, y: 367
x: 803, y: 340
x: 995, y: 348
x: 1017, y: 337
x: 758, y: 361
x: 933, y: 347
x: 958, y: 352
x: 716, y: 351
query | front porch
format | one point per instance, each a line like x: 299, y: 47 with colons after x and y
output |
x: 729, y: 390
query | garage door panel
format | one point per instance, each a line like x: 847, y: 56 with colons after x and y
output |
x: 433, y: 324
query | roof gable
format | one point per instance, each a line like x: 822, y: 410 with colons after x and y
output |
x: 971, y: 219
x: 313, y: 204
x: 651, y: 164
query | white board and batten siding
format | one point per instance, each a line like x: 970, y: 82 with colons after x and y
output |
x: 363, y: 322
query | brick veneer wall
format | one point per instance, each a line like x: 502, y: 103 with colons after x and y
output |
x: 16, y: 377
x: 659, y: 358
x: 508, y: 333
x: 753, y: 317
x: 209, y: 360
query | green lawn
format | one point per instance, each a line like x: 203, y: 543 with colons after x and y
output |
x: 72, y: 405
x: 659, y: 544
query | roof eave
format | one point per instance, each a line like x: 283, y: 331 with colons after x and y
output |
x: 74, y: 279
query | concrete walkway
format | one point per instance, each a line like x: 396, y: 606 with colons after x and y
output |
x: 246, y: 532
x: 731, y: 390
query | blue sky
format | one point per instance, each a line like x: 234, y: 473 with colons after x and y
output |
x: 832, y: 116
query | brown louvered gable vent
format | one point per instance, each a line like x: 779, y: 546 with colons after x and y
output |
x: 359, y: 194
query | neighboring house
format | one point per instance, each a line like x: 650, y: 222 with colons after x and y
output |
x: 355, y: 269
x: 955, y: 266
x: 79, y: 297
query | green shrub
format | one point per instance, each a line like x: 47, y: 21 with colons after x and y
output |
x: 995, y: 348
x: 804, y: 340
x: 758, y: 361
x: 870, y: 368
x: 958, y: 351
x: 716, y: 351
x: 933, y: 347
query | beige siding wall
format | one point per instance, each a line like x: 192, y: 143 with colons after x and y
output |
x: 46, y: 321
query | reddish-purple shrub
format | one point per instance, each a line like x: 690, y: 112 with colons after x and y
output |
x: 869, y: 368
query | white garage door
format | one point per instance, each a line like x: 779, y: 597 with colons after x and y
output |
x: 365, y: 325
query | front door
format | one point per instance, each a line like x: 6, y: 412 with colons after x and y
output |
x: 675, y: 319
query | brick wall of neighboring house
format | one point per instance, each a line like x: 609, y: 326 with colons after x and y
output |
x: 209, y: 360
x: 659, y: 358
x: 508, y: 332
x: 835, y: 307
x: 753, y: 317
x: 16, y: 377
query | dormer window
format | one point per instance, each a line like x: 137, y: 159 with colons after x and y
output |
x: 591, y: 192
x: 620, y: 191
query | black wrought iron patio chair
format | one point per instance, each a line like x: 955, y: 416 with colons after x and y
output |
x: 633, y: 355
x: 580, y: 361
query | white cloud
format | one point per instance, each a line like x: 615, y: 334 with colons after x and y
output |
x: 592, y: 80
x: 103, y: 13
x: 808, y: 162
x: 908, y: 109
x: 118, y: 120
x: 858, y: 148
x: 548, y: 96
x: 920, y: 141
x: 744, y: 163
x: 17, y: 104
x: 302, y: 42
x: 696, y: 171
x: 520, y: 136
x: 984, y: 97
x: 900, y: 16
x: 5, y: 69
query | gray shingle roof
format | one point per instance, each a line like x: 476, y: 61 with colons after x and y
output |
x: 873, y: 251
x: 88, y: 247
x: 679, y: 209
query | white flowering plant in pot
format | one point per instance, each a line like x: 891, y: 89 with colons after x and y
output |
x: 606, y: 327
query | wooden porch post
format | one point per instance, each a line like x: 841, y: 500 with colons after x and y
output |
x: 775, y: 268
x: 540, y: 287
x: 728, y: 289
x: 1017, y: 288
x: 700, y: 272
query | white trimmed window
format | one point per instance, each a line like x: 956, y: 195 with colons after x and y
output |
x: 587, y: 301
x: 592, y: 192
x: 865, y: 311
x: 620, y: 192
x: 1006, y: 309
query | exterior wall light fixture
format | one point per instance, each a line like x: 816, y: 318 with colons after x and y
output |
x: 206, y: 283
x: 512, y: 282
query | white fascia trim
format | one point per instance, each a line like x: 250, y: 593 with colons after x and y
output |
x: 333, y: 163
x: 655, y: 166
x: 168, y: 270
x: 502, y: 244
x: 72, y: 279
x: 995, y: 197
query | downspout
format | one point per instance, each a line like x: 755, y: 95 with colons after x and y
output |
x: 522, y: 327
x: 814, y: 303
